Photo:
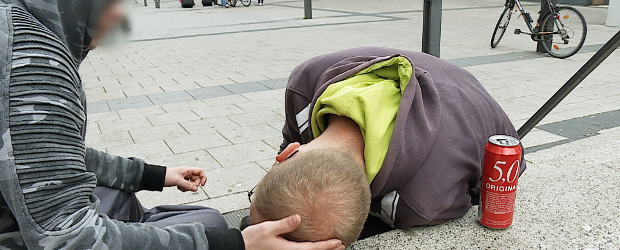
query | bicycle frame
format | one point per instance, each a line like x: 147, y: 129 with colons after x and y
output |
x: 529, y: 24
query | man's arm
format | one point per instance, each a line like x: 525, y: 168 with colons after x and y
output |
x: 129, y: 174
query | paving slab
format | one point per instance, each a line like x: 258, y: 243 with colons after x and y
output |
x: 226, y: 204
x: 259, y: 106
x: 209, y: 92
x: 225, y: 100
x: 262, y: 95
x: 127, y: 114
x: 167, y: 131
x: 275, y: 141
x: 127, y: 124
x: 104, y: 117
x: 278, y: 83
x: 170, y: 97
x: 266, y: 164
x: 98, y: 107
x: 245, y: 87
x: 107, y: 140
x: 170, y: 196
x: 249, y: 133
x: 223, y: 110
x: 144, y: 150
x: 194, y: 142
x: 537, y: 137
x: 129, y: 102
x: 184, y: 106
x: 242, y: 153
x: 173, y: 117
x: 257, y: 117
x: 208, y: 124
x: 198, y: 158
x: 223, y: 181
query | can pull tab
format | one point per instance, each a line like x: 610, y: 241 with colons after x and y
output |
x: 503, y: 141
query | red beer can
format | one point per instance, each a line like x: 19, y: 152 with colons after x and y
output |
x: 500, y: 175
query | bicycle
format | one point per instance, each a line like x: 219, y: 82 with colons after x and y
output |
x: 233, y: 3
x: 563, y: 28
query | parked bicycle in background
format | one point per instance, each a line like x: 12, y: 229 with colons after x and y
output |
x: 562, y: 31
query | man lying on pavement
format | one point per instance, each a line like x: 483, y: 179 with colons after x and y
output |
x: 394, y: 134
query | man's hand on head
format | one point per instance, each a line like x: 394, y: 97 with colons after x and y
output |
x: 185, y: 178
x: 266, y: 236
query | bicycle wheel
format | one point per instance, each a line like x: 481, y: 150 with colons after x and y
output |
x: 500, y: 27
x: 246, y: 3
x: 566, y: 32
x: 232, y: 3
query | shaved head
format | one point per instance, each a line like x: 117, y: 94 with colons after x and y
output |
x: 324, y: 186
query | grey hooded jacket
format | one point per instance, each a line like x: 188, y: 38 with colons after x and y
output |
x: 47, y: 174
x: 433, y: 165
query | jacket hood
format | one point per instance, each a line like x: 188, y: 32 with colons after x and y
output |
x: 73, y: 21
x: 420, y: 100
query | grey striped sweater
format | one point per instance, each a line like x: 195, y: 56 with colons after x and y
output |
x: 47, y: 175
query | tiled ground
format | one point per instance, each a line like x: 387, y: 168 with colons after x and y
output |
x: 204, y: 86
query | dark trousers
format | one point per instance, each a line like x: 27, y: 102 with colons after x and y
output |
x: 125, y: 206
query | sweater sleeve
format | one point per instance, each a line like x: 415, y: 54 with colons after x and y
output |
x: 130, y: 174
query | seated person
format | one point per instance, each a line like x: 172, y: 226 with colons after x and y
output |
x: 395, y: 134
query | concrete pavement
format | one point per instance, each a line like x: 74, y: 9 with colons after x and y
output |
x: 567, y: 199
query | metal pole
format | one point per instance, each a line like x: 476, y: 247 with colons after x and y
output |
x: 581, y: 74
x: 431, y: 30
x: 307, y: 9
x: 544, y: 9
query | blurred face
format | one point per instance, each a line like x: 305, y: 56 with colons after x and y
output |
x: 111, y: 17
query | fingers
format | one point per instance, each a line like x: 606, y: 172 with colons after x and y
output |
x: 188, y: 185
x: 203, y: 178
x: 284, y: 226
x: 196, y: 175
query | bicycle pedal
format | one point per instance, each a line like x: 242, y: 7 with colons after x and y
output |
x: 517, y: 31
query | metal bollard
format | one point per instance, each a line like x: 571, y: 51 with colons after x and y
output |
x: 431, y: 30
x: 544, y: 9
x: 307, y: 9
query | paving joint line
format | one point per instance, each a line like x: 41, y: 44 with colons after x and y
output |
x: 259, y: 30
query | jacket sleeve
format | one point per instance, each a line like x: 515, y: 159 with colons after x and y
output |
x: 129, y: 174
